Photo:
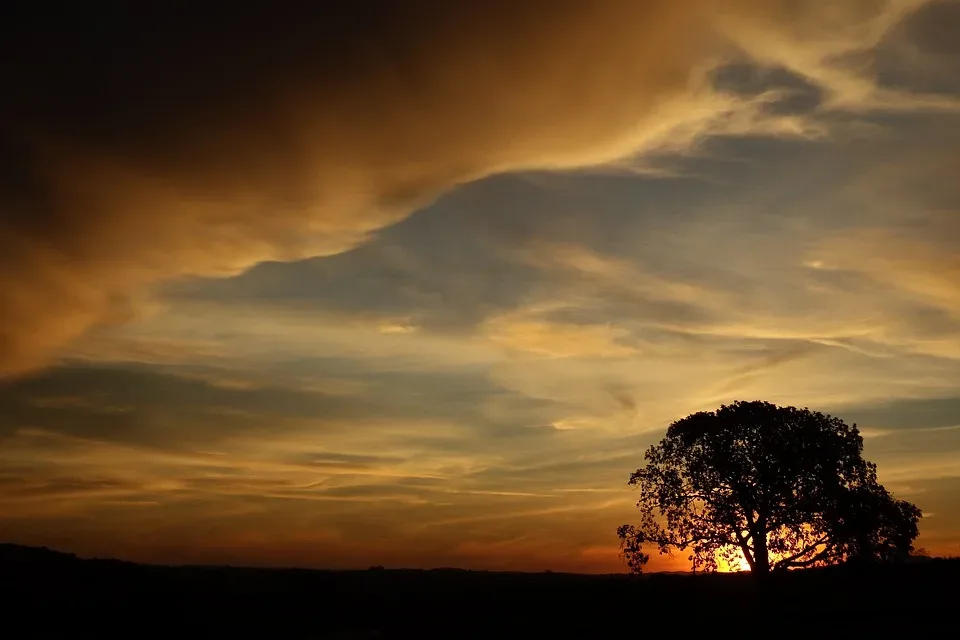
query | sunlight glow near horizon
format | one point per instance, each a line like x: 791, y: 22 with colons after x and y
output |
x: 739, y: 564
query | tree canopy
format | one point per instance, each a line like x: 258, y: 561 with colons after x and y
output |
x: 781, y: 486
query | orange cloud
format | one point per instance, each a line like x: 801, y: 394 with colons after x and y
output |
x: 169, y: 146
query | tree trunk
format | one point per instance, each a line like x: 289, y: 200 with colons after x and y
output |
x: 761, y: 559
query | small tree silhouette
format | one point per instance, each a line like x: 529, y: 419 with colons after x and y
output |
x: 784, y: 487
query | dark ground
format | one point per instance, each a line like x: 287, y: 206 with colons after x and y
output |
x: 48, y: 594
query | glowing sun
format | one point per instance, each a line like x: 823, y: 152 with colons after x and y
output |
x: 732, y: 564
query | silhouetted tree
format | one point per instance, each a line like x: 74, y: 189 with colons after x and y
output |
x: 784, y: 487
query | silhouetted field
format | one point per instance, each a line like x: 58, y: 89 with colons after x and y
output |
x: 49, y: 594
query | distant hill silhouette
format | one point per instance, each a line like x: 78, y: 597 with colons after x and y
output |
x: 54, y: 594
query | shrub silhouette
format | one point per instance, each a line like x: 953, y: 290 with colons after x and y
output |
x: 781, y: 486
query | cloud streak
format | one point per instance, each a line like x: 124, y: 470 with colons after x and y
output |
x: 140, y: 146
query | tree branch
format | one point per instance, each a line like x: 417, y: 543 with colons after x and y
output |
x: 785, y: 564
x: 745, y: 548
x: 810, y: 547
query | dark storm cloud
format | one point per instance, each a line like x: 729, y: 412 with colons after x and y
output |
x: 932, y: 27
x: 923, y: 53
x: 148, y: 406
x: 908, y: 414
x: 15, y: 487
x: 793, y: 93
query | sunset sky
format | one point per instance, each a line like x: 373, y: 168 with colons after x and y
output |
x: 417, y: 287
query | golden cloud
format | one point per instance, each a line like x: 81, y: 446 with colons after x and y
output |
x: 172, y: 145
